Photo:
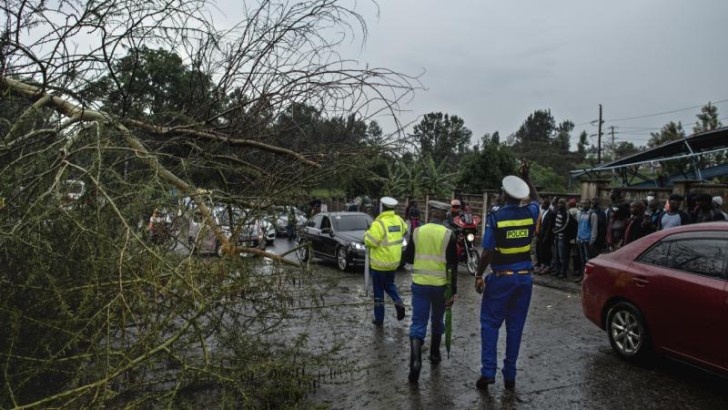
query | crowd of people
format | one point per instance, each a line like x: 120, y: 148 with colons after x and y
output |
x: 569, y: 234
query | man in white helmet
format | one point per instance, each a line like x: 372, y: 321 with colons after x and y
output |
x: 507, y: 246
x: 384, y: 240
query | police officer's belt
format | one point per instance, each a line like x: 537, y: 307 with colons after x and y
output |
x: 512, y: 272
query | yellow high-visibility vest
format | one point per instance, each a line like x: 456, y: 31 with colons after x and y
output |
x: 384, y: 240
x: 430, y: 267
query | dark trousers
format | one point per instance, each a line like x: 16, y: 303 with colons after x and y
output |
x: 586, y: 252
x: 506, y: 299
x: 544, y: 251
x: 577, y: 262
x: 383, y: 281
x: 561, y: 258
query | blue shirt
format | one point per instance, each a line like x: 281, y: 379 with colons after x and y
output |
x: 506, y: 212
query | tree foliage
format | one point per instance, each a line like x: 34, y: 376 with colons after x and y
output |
x: 486, y: 165
x: 443, y: 137
x: 707, y: 119
x: 541, y: 140
x: 149, y: 102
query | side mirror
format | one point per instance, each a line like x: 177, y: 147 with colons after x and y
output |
x: 327, y: 231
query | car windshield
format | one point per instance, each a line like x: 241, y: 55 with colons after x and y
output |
x: 351, y: 222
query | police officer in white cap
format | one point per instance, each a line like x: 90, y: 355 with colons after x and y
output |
x: 384, y: 240
x: 507, y: 248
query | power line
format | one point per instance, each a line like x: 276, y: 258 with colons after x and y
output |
x: 594, y: 122
x: 665, y: 112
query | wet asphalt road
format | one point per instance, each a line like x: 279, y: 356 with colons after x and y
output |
x: 565, y: 361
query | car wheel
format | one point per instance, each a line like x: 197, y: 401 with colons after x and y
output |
x: 342, y: 260
x: 302, y: 252
x: 627, y: 332
x: 218, y: 249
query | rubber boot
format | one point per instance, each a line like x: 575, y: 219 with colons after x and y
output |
x: 435, y: 357
x: 415, y: 359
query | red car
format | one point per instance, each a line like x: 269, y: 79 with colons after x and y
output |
x: 665, y: 293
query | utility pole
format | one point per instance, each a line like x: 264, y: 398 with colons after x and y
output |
x: 614, y: 154
x: 599, y: 138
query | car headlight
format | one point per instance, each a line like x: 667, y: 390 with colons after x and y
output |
x: 357, y: 246
x: 471, y: 237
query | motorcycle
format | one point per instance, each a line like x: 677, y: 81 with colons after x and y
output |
x: 466, y: 247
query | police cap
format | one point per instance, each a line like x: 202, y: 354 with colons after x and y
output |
x: 388, y: 202
x: 515, y: 187
x: 439, y: 205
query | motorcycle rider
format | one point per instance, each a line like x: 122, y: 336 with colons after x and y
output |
x: 455, y: 211
x: 155, y: 225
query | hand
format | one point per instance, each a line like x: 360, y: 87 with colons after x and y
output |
x: 479, y: 284
x: 524, y: 168
x: 449, y: 302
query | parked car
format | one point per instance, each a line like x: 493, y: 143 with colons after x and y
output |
x: 336, y: 236
x: 665, y: 293
x: 280, y: 218
x: 251, y: 231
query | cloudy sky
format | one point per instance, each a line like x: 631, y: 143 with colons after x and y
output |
x: 495, y: 62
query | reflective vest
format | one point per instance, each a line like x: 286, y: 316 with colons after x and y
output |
x: 384, y: 239
x: 430, y: 267
x: 514, y: 228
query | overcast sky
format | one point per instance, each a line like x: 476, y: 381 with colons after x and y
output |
x: 495, y: 62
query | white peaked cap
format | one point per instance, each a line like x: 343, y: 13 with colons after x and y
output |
x: 389, y: 202
x: 516, y: 187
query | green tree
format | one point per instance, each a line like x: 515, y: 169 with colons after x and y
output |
x: 707, y: 119
x: 671, y: 131
x: 546, y: 179
x: 96, y: 316
x: 442, y: 137
x: 540, y: 140
x: 437, y: 178
x: 624, y: 149
x: 485, y: 166
x: 582, y: 146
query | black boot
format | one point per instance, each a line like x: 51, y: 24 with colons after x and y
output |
x: 435, y: 357
x: 400, y: 310
x: 415, y: 359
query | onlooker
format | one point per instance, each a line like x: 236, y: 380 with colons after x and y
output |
x: 412, y: 216
x: 717, y: 203
x: 586, y: 236
x: 673, y: 216
x: 617, y: 217
x: 601, y: 242
x: 544, y: 237
x: 704, y: 209
x: 571, y: 231
x: 638, y: 225
x: 653, y: 210
x: 561, y: 257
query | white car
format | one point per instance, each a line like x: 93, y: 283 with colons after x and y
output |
x: 252, y: 232
x: 280, y: 219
